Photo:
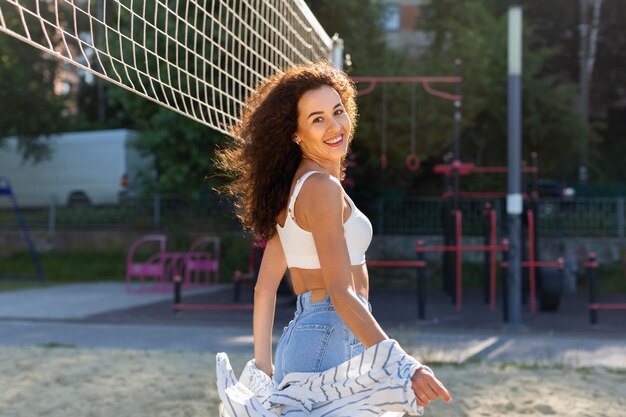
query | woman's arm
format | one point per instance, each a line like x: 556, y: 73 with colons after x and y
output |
x: 273, y: 266
x: 323, y: 210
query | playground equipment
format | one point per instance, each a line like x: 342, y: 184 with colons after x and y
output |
x: 6, y: 190
x: 452, y: 170
x: 179, y: 305
x: 153, y: 268
x: 254, y: 264
x: 594, y: 306
x: 420, y: 264
x: 239, y: 278
x: 412, y: 161
x: 203, y: 259
x: 544, y: 285
x: 198, y: 266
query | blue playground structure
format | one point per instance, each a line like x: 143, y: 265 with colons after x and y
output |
x: 5, y: 190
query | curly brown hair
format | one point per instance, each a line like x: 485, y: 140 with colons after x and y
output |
x: 262, y: 157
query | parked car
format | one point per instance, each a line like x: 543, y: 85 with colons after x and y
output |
x: 555, y: 196
x: 85, y: 168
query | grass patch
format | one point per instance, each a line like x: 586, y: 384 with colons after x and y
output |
x: 56, y: 345
x: 610, y: 278
x: 106, y: 265
x: 62, y: 268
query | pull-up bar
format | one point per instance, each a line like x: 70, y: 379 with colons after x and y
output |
x: 425, y: 81
x: 412, y: 161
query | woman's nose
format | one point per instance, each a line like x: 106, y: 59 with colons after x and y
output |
x: 335, y: 124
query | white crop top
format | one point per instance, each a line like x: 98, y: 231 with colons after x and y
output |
x: 299, y: 246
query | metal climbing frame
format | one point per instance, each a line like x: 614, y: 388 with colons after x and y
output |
x: 6, y: 190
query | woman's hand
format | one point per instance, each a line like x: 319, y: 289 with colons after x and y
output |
x: 427, y: 387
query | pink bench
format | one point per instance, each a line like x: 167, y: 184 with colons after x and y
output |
x: 199, y: 266
x: 146, y: 276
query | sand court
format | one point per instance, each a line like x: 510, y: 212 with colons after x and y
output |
x: 59, y: 381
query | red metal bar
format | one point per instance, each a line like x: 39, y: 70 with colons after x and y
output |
x: 469, y: 168
x: 459, y: 265
x: 492, y: 261
x: 440, y: 94
x: 212, y: 307
x: 425, y: 81
x: 531, y: 259
x: 400, y: 264
x: 607, y: 306
x: 367, y: 90
x: 470, y: 248
x: 478, y: 194
x: 408, y: 79
x: 541, y: 264
x: 502, y: 170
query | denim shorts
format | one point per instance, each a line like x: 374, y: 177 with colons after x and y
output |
x: 316, y: 339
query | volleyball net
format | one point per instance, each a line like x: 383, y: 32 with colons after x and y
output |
x: 200, y: 58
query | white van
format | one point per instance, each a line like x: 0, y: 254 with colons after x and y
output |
x: 85, y: 168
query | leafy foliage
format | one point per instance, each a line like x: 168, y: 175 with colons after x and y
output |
x: 476, y: 32
x: 28, y: 104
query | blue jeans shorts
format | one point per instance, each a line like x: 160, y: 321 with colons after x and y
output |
x: 315, y: 340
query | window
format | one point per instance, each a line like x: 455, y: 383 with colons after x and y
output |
x: 391, y: 17
x: 65, y: 88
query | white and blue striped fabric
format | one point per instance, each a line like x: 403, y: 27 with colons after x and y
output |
x: 375, y: 383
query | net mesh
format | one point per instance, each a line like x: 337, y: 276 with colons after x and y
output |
x: 200, y: 58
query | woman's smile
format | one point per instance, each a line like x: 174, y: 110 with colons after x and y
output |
x: 336, y: 141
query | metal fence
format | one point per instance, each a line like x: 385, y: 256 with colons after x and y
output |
x: 148, y: 213
x: 601, y: 217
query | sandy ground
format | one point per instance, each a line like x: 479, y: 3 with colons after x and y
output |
x: 71, y: 382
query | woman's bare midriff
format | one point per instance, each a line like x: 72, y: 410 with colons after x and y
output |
x: 304, y: 280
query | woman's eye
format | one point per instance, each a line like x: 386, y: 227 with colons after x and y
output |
x: 339, y: 111
x: 318, y: 119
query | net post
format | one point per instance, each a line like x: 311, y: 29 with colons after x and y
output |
x: 337, y: 52
x: 591, y: 277
x: 421, y: 282
x: 177, y: 292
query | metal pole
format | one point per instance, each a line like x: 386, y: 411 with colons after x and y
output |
x: 457, y: 134
x: 591, y: 276
x: 514, y: 194
x: 156, y: 210
x: 487, y: 254
x: 584, y: 85
x: 504, y: 275
x: 421, y: 284
x: 620, y: 217
x: 98, y: 42
x: 52, y: 214
x: 337, y: 52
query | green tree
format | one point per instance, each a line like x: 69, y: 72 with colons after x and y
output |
x: 28, y: 105
x: 182, y: 148
x: 360, y: 24
x: 477, y: 33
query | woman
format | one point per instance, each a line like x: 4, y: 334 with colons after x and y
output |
x: 289, y: 157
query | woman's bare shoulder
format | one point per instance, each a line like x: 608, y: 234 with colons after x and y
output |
x: 321, y: 193
x: 322, y: 186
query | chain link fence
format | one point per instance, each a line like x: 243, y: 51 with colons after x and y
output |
x: 601, y: 217
x: 584, y: 216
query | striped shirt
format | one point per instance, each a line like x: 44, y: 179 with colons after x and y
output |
x: 375, y: 383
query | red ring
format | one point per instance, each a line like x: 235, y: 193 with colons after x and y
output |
x: 413, y: 162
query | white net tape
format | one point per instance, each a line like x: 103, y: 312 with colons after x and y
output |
x: 200, y: 58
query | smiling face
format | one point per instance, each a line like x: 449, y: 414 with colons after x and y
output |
x: 323, y: 125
